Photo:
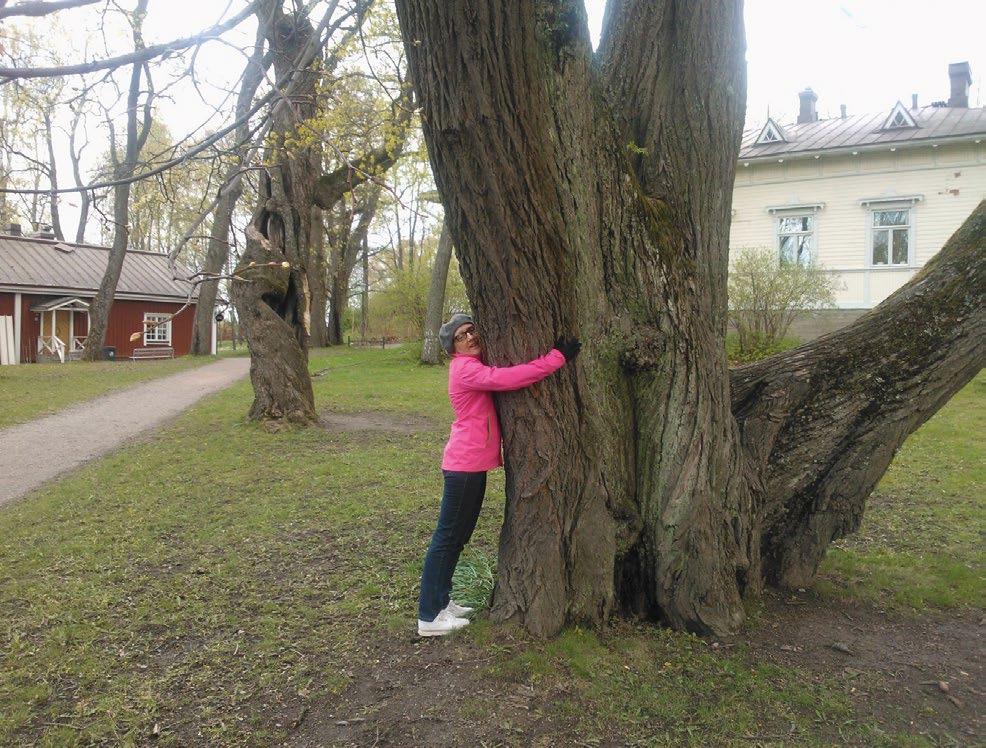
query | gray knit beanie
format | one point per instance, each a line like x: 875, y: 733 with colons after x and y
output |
x: 447, y: 330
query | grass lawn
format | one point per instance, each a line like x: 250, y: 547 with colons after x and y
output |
x: 920, y: 544
x: 215, y: 584
x: 34, y: 390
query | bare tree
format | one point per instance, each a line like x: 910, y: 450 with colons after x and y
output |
x: 430, y: 352
x: 589, y: 194
x: 217, y: 254
x: 348, y: 241
x: 137, y: 130
x: 75, y: 150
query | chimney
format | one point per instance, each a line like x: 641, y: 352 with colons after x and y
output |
x: 14, y: 229
x: 807, y: 113
x: 914, y: 101
x: 960, y: 75
x: 842, y: 111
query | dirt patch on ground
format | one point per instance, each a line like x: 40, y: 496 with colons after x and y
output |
x: 408, y: 691
x: 374, y: 421
x: 412, y: 691
x: 919, y: 675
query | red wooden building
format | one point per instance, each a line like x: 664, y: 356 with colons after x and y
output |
x: 46, y: 287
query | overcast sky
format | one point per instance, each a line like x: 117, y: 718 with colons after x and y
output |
x: 866, y: 54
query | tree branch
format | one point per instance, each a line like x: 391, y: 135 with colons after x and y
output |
x: 822, y: 422
x: 41, y: 8
x: 137, y: 56
x: 332, y: 186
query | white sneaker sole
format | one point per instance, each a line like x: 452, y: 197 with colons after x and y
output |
x: 438, y: 632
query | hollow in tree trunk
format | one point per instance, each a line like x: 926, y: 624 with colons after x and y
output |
x: 590, y: 194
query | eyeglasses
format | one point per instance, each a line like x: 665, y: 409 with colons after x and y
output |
x: 470, y: 333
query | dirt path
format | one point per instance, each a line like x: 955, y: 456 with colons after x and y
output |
x: 35, y: 452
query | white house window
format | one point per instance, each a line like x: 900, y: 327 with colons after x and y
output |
x: 796, y: 239
x: 157, y: 333
x: 891, y: 237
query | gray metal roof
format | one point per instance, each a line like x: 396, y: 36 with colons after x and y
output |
x: 78, y: 269
x: 934, y: 124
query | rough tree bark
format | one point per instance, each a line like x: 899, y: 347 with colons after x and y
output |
x: 99, y: 310
x: 430, y: 352
x: 273, y: 301
x: 820, y: 424
x: 590, y: 194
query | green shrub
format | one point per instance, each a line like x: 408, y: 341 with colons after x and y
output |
x: 765, y: 295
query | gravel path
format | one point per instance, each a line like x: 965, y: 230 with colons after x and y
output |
x: 35, y: 452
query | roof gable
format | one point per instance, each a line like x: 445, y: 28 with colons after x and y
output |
x: 899, y: 118
x: 771, y: 133
x: 933, y: 124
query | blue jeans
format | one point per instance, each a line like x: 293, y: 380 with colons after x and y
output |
x: 461, y: 503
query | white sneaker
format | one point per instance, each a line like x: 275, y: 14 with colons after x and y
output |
x: 455, y: 609
x: 444, y: 623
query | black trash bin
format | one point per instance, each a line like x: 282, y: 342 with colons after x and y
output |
x: 109, y: 353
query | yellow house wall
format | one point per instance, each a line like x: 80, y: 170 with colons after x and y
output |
x: 952, y: 179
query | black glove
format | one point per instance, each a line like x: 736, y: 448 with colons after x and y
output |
x: 569, y: 347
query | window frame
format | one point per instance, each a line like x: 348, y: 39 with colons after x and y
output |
x: 166, y: 327
x: 874, y: 229
x: 813, y: 233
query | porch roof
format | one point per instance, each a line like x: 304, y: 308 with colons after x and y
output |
x: 62, y: 302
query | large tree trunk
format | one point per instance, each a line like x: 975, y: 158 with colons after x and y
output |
x: 99, y: 310
x: 273, y: 301
x: 592, y: 197
x: 430, y: 352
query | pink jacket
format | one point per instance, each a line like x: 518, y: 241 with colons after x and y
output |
x: 475, y: 442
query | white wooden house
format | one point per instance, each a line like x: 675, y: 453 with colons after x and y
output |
x: 871, y: 197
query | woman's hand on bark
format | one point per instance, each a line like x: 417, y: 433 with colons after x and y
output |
x: 569, y: 347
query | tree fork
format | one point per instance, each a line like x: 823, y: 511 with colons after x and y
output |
x: 595, y: 199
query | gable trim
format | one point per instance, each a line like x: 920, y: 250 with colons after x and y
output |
x: 899, y: 118
x: 770, y: 134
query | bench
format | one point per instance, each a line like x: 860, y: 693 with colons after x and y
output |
x: 367, y: 342
x: 140, y: 354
